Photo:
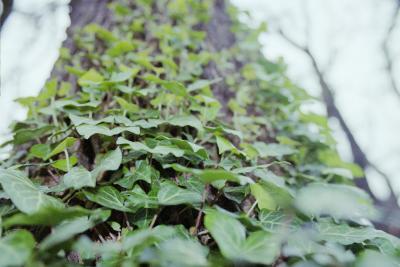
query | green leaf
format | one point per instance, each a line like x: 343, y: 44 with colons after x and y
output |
x: 274, y: 221
x: 109, y: 162
x: 40, y: 150
x: 273, y: 150
x: 23, y: 193
x: 16, y: 248
x: 62, y: 164
x: 347, y: 235
x: 260, y: 247
x: 224, y: 145
x: 79, y: 177
x: 179, y: 252
x: 175, y: 87
x: 171, y: 194
x: 126, y: 106
x: 162, y: 150
x: 90, y: 77
x: 24, y: 135
x: 137, y: 198
x: 208, y: 175
x: 120, y: 48
x: 350, y: 202
x: 143, y: 172
x: 69, y: 229
x: 228, y: 232
x: 88, y: 130
x: 186, y: 120
x: 49, y: 90
x: 49, y: 215
x: 282, y: 197
x: 264, y: 199
x: 66, y: 143
x: 108, y: 197
x: 371, y: 258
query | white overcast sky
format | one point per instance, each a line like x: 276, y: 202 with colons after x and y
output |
x: 353, y: 29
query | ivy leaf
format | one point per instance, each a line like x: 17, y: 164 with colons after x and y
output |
x: 69, y: 229
x: 347, y: 235
x: 273, y: 150
x: 179, y: 252
x: 66, y: 143
x: 273, y: 221
x: 88, y: 130
x: 264, y: 199
x: 372, y: 258
x: 350, y: 202
x: 24, y: 135
x: 78, y: 120
x: 209, y: 175
x: 215, y: 175
x: 90, y: 77
x: 120, y: 48
x: 224, y: 145
x: 71, y: 103
x: 109, y: 162
x: 79, y: 177
x: 49, y: 215
x: 281, y: 196
x: 143, y: 172
x: 186, y: 120
x: 175, y: 87
x: 228, y: 232
x: 189, y: 147
x: 108, y: 197
x: 23, y: 193
x: 16, y: 248
x: 171, y: 194
x: 125, y: 105
x: 160, y: 149
x: 137, y: 198
x: 62, y: 164
x: 40, y: 150
x: 259, y: 248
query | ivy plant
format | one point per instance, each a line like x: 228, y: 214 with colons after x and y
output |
x: 138, y: 160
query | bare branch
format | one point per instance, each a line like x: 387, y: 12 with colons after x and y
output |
x: 5, y: 10
x: 386, y: 51
x: 359, y: 156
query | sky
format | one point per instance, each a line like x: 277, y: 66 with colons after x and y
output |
x: 350, y: 31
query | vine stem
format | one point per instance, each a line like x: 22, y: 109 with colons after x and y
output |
x: 199, y: 216
x: 251, y: 209
x: 67, y: 159
x: 153, y: 221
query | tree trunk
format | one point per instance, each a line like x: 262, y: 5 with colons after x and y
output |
x: 219, y: 37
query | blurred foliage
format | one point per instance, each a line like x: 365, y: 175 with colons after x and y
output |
x: 137, y: 163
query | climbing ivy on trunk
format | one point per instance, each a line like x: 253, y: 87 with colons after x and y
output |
x: 153, y: 145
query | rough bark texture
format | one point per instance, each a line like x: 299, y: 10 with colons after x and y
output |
x: 83, y: 13
x: 219, y: 37
x: 86, y: 12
